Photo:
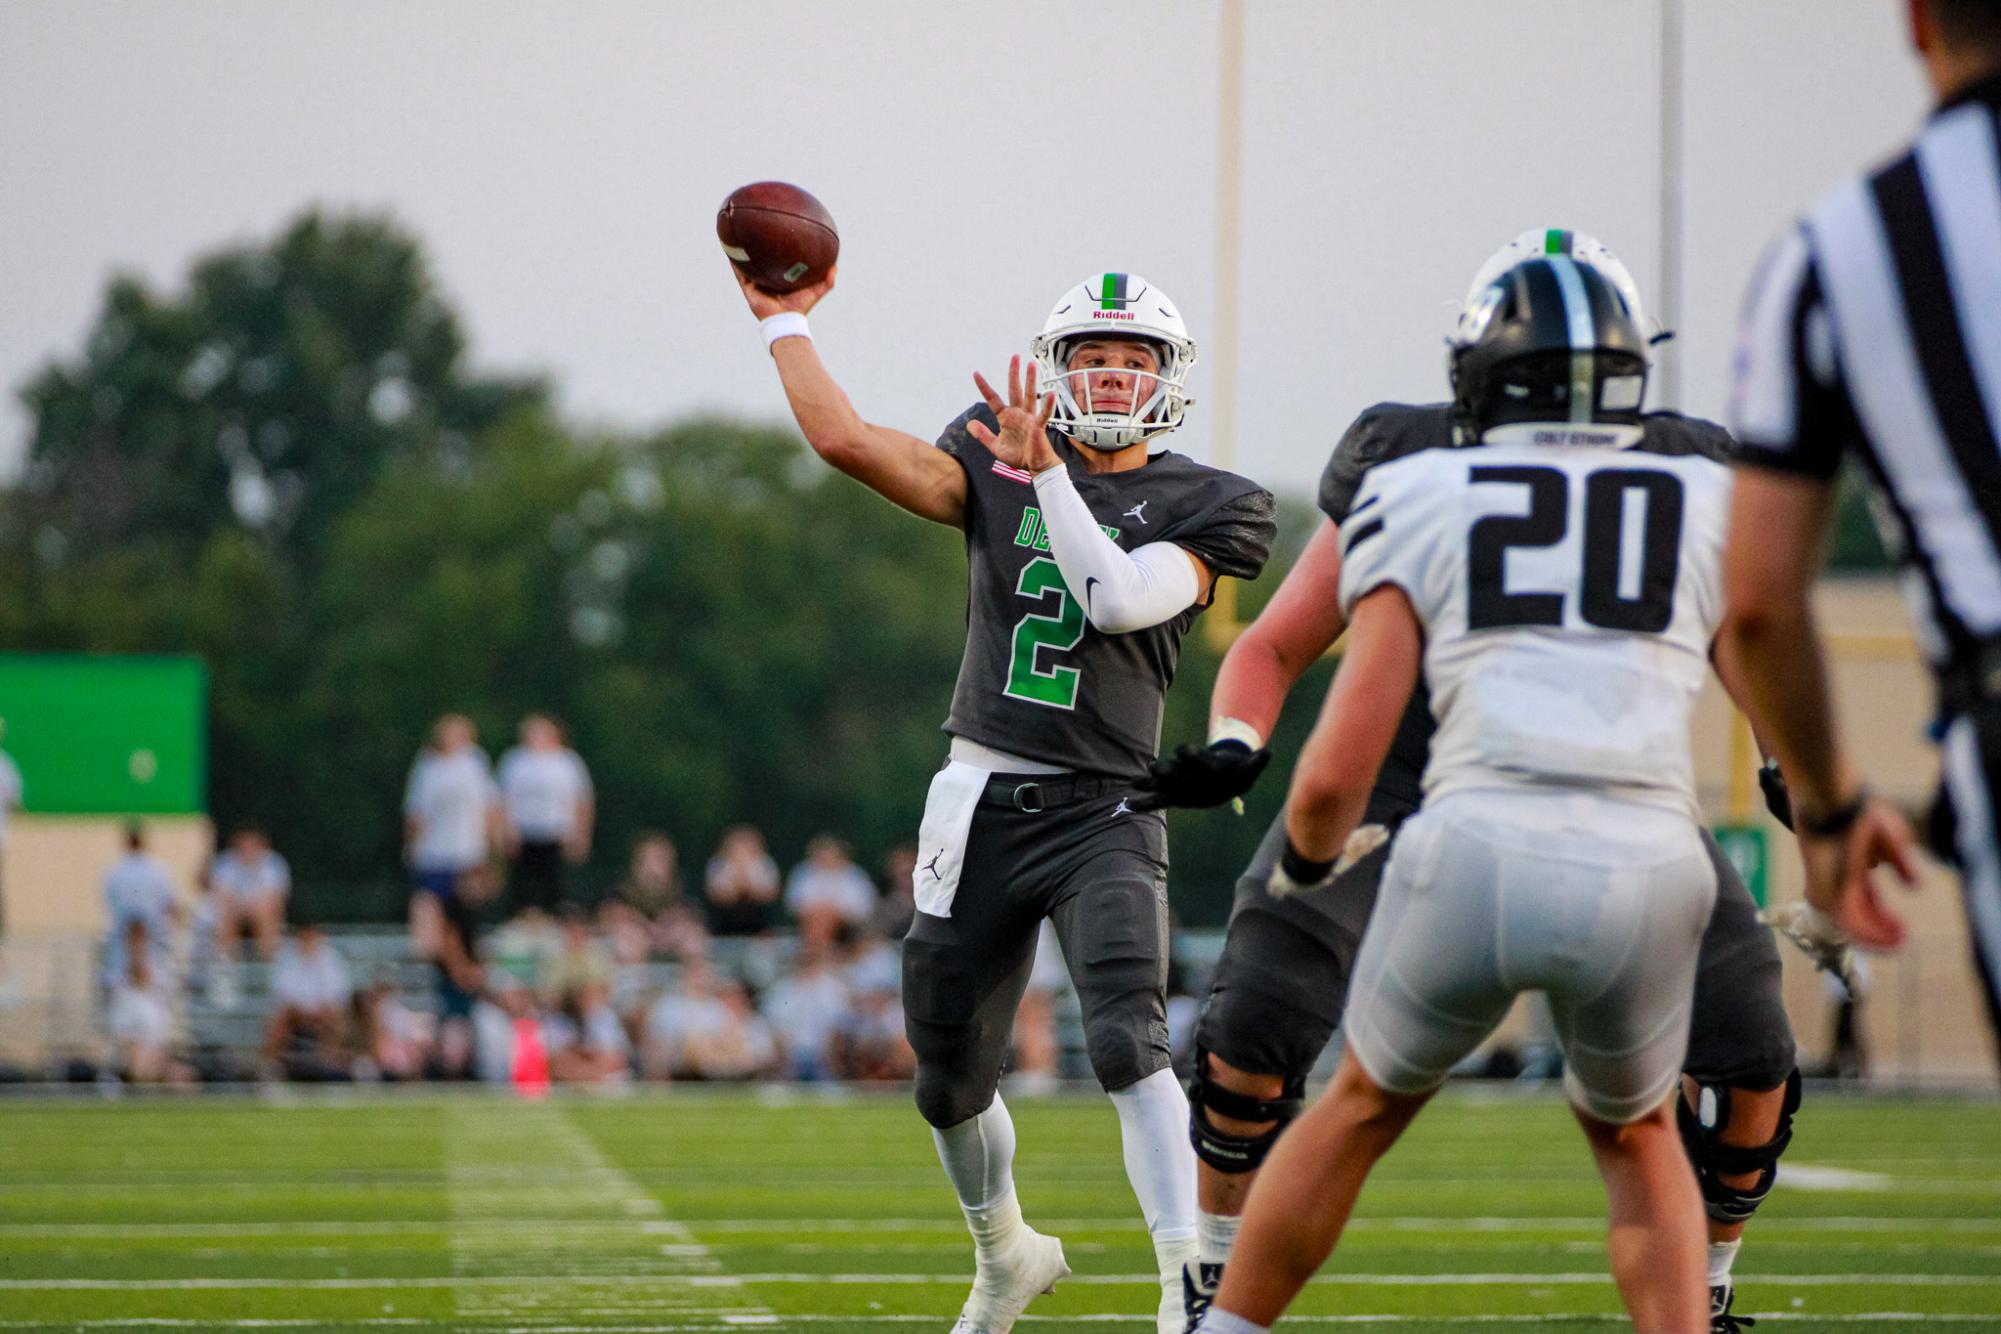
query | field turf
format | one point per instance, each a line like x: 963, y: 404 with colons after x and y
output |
x: 683, y: 1212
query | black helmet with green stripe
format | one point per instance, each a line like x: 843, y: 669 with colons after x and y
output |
x: 1115, y: 306
x: 1551, y: 347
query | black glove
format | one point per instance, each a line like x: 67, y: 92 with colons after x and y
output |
x: 1777, y: 799
x: 1200, y: 775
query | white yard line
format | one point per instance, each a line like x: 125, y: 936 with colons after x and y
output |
x: 730, y: 1319
x: 543, y: 1227
x: 666, y: 1283
x: 612, y: 1259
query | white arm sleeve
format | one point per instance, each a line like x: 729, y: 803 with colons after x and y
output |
x: 1121, y: 592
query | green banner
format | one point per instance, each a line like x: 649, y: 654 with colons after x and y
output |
x: 1749, y: 850
x: 107, y: 735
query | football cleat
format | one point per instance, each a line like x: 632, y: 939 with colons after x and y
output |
x: 1003, y: 1289
x: 1720, y: 1319
x: 1199, y: 1283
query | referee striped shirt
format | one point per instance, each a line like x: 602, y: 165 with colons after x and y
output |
x: 1874, y: 328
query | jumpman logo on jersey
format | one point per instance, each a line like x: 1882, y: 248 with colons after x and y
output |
x: 1135, y: 511
x: 1124, y: 809
x: 932, y: 865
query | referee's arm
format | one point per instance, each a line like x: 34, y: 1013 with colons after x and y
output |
x: 1791, y: 421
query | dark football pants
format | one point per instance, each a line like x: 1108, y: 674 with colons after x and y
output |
x: 1281, y: 984
x: 1099, y: 873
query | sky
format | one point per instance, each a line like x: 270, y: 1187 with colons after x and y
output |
x: 563, y: 163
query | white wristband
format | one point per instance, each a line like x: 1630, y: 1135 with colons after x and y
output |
x: 1234, y: 729
x: 785, y: 324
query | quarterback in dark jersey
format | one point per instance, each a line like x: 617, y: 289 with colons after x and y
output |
x: 1280, y: 986
x: 1088, y: 559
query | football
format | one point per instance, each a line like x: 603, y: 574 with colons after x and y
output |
x: 778, y: 236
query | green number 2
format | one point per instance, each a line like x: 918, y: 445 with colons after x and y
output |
x: 1059, y: 632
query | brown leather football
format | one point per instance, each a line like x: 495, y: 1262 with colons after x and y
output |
x: 778, y: 236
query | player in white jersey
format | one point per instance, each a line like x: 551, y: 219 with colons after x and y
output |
x: 1559, y: 592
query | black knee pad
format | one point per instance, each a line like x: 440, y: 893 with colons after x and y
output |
x: 1712, y: 1158
x: 945, y: 1099
x: 1237, y: 1154
x: 1125, y: 1023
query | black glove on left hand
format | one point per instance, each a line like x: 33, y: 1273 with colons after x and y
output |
x: 1200, y: 776
x: 1778, y: 800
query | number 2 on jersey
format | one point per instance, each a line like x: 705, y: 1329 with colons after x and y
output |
x: 1059, y: 631
x: 1489, y: 604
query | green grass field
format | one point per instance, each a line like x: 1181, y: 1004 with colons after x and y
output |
x: 685, y: 1212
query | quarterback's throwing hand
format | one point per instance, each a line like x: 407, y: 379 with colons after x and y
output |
x: 1201, y: 776
x: 765, y: 304
x: 1023, y: 441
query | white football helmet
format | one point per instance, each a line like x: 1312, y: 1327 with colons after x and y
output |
x: 1581, y: 246
x: 1122, y: 306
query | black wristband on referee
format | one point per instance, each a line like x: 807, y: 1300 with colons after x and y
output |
x: 1302, y: 869
x: 1837, y: 821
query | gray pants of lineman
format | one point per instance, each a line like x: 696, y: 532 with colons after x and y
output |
x: 1281, y: 986
x: 1099, y: 873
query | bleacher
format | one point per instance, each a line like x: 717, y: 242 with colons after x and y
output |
x: 225, y: 1019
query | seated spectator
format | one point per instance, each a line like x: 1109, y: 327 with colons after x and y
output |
x: 460, y: 976
x: 804, y: 1008
x: 706, y: 1029
x: 141, y: 1020
x: 394, y: 1042
x: 139, y: 888
x: 550, y: 809
x: 311, y: 993
x: 827, y: 891
x: 868, y: 962
x: 525, y: 946
x: 579, y: 962
x: 585, y: 1042
x: 869, y: 1041
x: 505, y: 1009
x: 648, y: 911
x: 742, y: 885
x: 898, y: 905
x: 250, y: 882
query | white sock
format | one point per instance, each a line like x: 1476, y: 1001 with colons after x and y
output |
x: 1153, y: 1123
x: 1722, y: 1254
x: 978, y: 1155
x: 1219, y: 1321
x: 1218, y: 1234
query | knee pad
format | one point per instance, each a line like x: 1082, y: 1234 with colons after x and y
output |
x: 1126, y: 1040
x: 1235, y: 1155
x: 945, y: 1098
x: 1712, y: 1158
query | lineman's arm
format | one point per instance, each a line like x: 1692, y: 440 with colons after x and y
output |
x: 899, y: 467
x: 1301, y: 622
x: 1298, y: 625
x: 1337, y: 767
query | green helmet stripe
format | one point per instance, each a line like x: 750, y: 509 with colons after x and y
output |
x: 1556, y: 241
x: 1112, y: 294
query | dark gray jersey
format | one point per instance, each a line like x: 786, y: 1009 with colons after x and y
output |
x: 1038, y: 679
x: 1392, y: 431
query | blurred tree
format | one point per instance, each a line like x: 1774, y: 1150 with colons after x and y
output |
x: 290, y: 470
x: 266, y: 397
